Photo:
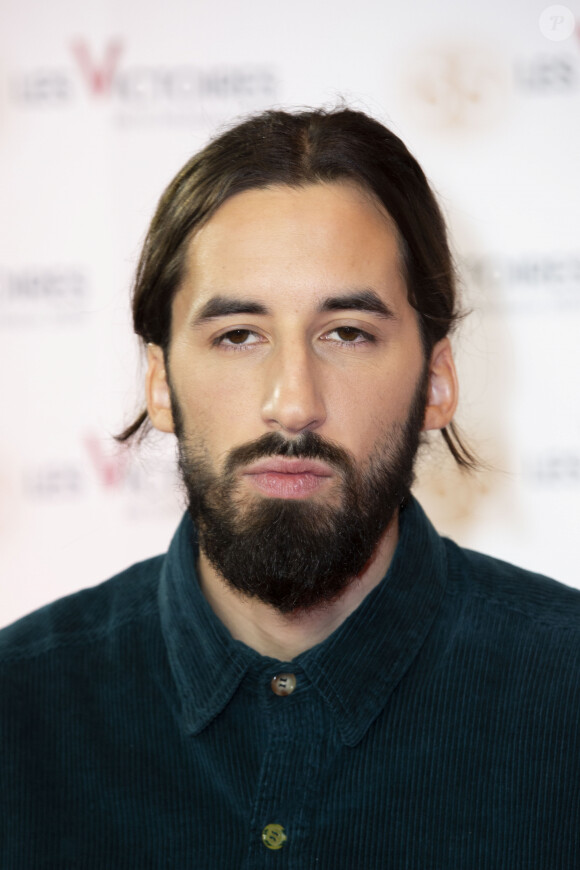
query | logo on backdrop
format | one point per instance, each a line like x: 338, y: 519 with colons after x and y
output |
x: 458, y: 88
x: 161, y: 93
x: 555, y: 73
x: 41, y: 295
x: 554, y: 469
x: 98, y: 74
x: 526, y: 284
x: 110, y: 470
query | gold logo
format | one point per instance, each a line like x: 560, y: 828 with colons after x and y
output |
x: 274, y: 836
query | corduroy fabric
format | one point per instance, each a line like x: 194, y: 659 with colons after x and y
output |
x: 437, y: 727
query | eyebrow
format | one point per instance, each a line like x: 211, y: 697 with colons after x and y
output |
x: 222, y: 306
x: 357, y: 300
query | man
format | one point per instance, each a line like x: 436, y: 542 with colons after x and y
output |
x: 311, y: 676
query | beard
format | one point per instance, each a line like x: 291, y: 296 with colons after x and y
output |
x: 298, y: 553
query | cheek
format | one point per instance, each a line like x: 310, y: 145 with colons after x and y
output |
x: 366, y: 411
x: 218, y: 410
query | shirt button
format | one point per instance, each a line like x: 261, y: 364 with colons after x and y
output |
x: 283, y: 684
x: 274, y: 836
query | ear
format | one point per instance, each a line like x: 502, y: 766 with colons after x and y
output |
x: 157, y: 390
x: 443, y: 390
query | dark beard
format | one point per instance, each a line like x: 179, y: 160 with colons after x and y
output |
x: 290, y: 553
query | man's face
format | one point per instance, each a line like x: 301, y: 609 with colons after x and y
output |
x: 298, y: 386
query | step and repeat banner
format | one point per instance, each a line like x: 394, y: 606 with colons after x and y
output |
x: 100, y: 105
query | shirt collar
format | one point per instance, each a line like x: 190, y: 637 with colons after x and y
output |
x: 355, y: 669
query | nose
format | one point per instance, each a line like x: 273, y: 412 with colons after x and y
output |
x: 293, y: 399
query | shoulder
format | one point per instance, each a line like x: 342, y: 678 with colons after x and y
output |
x: 499, y: 585
x: 84, y: 617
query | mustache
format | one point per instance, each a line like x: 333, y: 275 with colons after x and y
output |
x: 308, y: 445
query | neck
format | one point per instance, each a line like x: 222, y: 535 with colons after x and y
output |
x: 283, y: 636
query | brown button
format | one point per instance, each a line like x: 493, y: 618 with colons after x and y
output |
x: 283, y: 684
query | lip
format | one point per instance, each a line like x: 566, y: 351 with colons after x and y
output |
x: 280, y: 465
x: 277, y: 477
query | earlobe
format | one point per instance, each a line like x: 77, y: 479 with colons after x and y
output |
x: 157, y: 390
x: 442, y: 393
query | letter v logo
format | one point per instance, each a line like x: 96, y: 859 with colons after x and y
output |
x: 111, y: 469
x: 98, y: 78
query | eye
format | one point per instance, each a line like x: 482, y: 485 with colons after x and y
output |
x: 349, y: 335
x: 237, y: 338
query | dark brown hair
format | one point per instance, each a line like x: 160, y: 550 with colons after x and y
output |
x: 299, y: 148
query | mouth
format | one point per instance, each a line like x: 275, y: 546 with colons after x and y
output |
x: 278, y: 477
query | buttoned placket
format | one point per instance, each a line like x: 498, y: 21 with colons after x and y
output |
x: 297, y: 749
x: 294, y: 733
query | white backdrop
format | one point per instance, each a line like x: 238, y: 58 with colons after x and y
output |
x: 102, y: 102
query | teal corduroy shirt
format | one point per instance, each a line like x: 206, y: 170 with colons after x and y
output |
x: 437, y: 727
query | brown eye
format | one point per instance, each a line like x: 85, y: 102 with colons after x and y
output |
x: 343, y: 335
x: 237, y: 336
x: 347, y: 333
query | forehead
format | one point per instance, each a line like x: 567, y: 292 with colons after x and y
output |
x: 284, y: 242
